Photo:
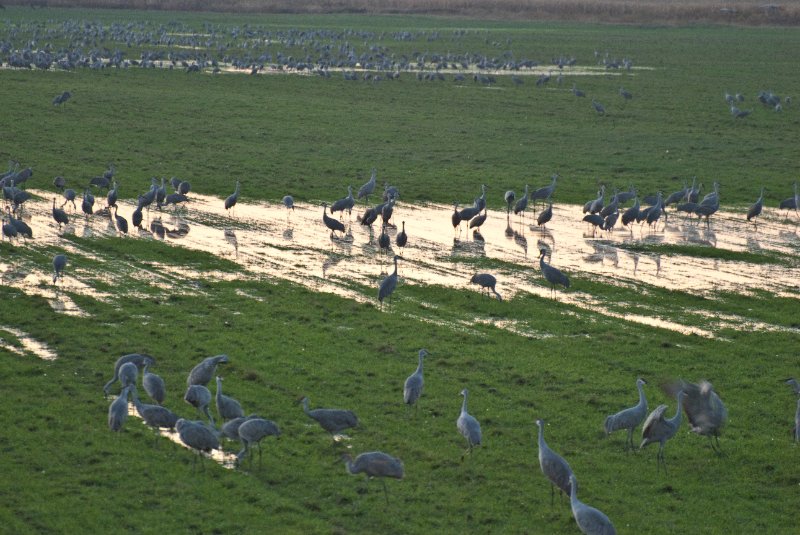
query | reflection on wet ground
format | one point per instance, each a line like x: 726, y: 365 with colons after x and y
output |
x: 269, y: 241
x: 28, y: 343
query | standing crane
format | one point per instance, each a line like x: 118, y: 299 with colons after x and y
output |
x: 412, y: 389
x: 330, y: 222
x: 553, y: 466
x: 202, y: 373
x: 375, y: 464
x: 251, y: 432
x: 388, y: 284
x: 366, y: 190
x: 629, y: 418
x: 139, y: 359
x: 233, y: 198
x: 590, y: 521
x: 486, y: 282
x: 468, y: 426
x: 59, y: 263
x: 334, y: 421
x: 659, y: 429
x: 755, y: 210
x: 227, y: 407
x: 551, y: 274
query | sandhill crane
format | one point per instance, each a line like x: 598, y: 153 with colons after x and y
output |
x: 388, y: 284
x: 544, y: 192
x: 629, y: 418
x: 204, y: 371
x: 704, y: 409
x: 455, y: 218
x: 230, y: 429
x: 412, y: 389
x: 251, y: 432
x: 199, y: 397
x: 553, y: 466
x: 590, y: 521
x: 121, y: 222
x: 233, y: 198
x: 478, y: 220
x: 118, y: 410
x: 139, y: 359
x: 755, y: 210
x: 330, y: 222
x: 630, y: 215
x: 155, y: 416
x: 522, y: 203
x: 154, y: 386
x: 345, y: 203
x: 402, y: 238
x: 659, y: 429
x: 791, y: 203
x: 366, y: 190
x: 509, y: 197
x: 486, y: 282
x: 624, y: 93
x: 288, y: 201
x: 551, y: 274
x: 334, y: 421
x: 792, y: 382
x: 468, y: 426
x: 59, y: 215
x: 227, y: 407
x: 599, y: 108
x: 197, y: 436
x: 545, y: 215
x: 128, y: 373
x: 375, y: 464
x: 59, y: 263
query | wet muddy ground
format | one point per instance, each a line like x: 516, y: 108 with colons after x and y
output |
x: 269, y: 241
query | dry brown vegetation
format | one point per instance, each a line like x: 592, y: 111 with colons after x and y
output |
x: 740, y: 12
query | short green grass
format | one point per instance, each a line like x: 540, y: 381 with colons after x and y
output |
x: 64, y: 471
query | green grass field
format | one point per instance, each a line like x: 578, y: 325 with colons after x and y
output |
x: 65, y: 472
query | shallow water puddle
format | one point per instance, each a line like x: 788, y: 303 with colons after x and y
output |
x: 270, y: 241
x: 28, y: 343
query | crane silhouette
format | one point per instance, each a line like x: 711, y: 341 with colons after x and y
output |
x: 59, y: 263
x: 197, y: 437
x: 139, y: 359
x: 118, y: 410
x: 375, y: 464
x: 590, y: 521
x: 629, y: 418
x: 659, y: 429
x: 199, y: 397
x: 251, y: 432
x: 205, y: 370
x: 233, y: 198
x: 468, y: 426
x: 486, y: 282
x: 755, y: 209
x: 227, y: 407
x: 704, y: 409
x: 388, y: 284
x: 330, y: 222
x: 412, y: 389
x: 551, y: 274
x: 334, y: 421
x: 553, y: 466
x: 154, y: 385
x: 366, y: 190
x: 344, y: 204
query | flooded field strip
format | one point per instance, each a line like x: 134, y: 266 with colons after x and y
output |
x: 27, y: 342
x: 269, y: 241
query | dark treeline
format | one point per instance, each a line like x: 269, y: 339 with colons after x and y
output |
x: 620, y: 11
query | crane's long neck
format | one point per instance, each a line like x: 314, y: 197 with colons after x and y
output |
x: 642, y: 399
x: 542, y: 443
x: 419, y: 366
x: 306, y: 410
x: 676, y: 420
x: 219, y: 387
x: 464, y: 404
x: 395, y: 265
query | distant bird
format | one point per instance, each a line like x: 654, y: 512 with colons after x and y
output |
x: 455, y: 218
x: 480, y: 202
x: 87, y: 205
x: 21, y: 226
x: 522, y: 203
x: 118, y: 410
x: 486, y: 282
x: 288, y: 201
x: 551, y: 274
x: 199, y: 397
x: 230, y: 429
x: 510, y: 196
x: 136, y: 217
x: 655, y: 211
x: 154, y: 386
x: 139, y: 359
x: 629, y: 418
x: 384, y: 242
x: 59, y: 183
x: 366, y: 190
x: 590, y: 520
x: 630, y: 215
x: 112, y: 195
x: 478, y: 220
x: 468, y: 426
x: 344, y: 204
x: 233, y: 198
x: 184, y: 187
x: 121, y: 222
x: 204, y: 371
x: 545, y: 215
x: 659, y: 429
x: 155, y: 416
x: 545, y: 192
x: 468, y: 213
x: 755, y: 210
x: 412, y: 389
x: 59, y: 263
x: 62, y: 98
x: 252, y: 432
x: 388, y: 284
x: 739, y: 114
x: 704, y: 409
x: 596, y: 205
x: 402, y: 238
x: 553, y: 466
x: 227, y: 407
x: 59, y: 215
x: 624, y: 93
x: 577, y: 92
x: 69, y: 196
x: 791, y: 203
x: 599, y: 108
x: 197, y: 437
x: 128, y: 373
x: 375, y: 464
x: 334, y: 421
x: 330, y: 222
x: 9, y: 230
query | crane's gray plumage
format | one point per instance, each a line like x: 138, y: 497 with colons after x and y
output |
x: 478, y: 220
x: 233, y: 198
x: 252, y: 431
x: 599, y: 108
x: 288, y: 201
x: 509, y: 197
x: 59, y: 215
x: 197, y: 436
x: 551, y: 274
x: 412, y: 389
x: 118, y: 410
x: 545, y: 215
x: 139, y: 359
x: 388, y: 284
x: 344, y: 204
x: 553, y: 466
x: 792, y: 382
x: 522, y: 203
x: 155, y: 416
x: 59, y: 263
x: 154, y: 386
x: 590, y: 521
x: 333, y: 421
x: 755, y: 209
x: 375, y: 464
x: 230, y: 429
x: 659, y: 429
x: 630, y: 214
x: 366, y: 190
x: 330, y: 222
x: 128, y: 373
x: 629, y: 418
x: 203, y: 372
x: 199, y: 397
x: 402, y: 238
x: 486, y: 282
x: 703, y: 407
x: 545, y: 192
x: 468, y: 426
x: 227, y: 407
x: 121, y: 222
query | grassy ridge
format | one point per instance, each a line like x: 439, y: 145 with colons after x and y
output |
x: 64, y: 471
